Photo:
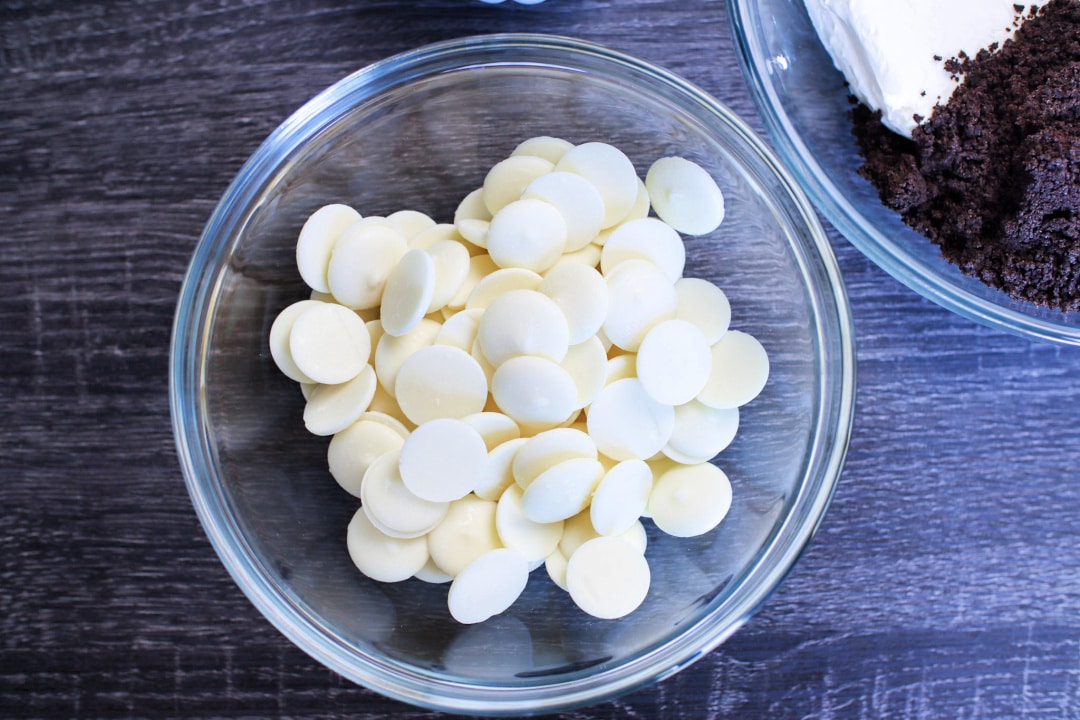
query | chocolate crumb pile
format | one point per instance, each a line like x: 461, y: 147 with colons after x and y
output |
x: 993, y: 177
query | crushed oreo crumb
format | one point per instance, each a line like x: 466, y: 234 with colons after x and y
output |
x: 993, y: 176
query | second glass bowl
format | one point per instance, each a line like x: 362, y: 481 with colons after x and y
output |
x: 803, y: 102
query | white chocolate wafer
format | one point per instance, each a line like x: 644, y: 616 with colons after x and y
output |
x: 609, y: 171
x: 362, y: 260
x: 440, y: 381
x: 607, y: 577
x: 740, y: 369
x: 440, y: 460
x: 685, y: 196
x: 329, y: 343
x: 488, y: 586
x: 690, y: 500
x: 381, y: 557
x: 529, y: 234
x: 467, y: 532
x: 316, y: 242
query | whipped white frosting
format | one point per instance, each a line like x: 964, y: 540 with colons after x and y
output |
x: 893, y: 54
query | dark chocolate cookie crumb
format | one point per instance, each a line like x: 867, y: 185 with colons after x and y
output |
x: 993, y: 177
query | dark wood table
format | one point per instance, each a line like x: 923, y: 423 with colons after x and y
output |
x: 945, y: 579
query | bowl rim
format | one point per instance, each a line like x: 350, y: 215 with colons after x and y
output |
x: 187, y: 391
x: 993, y: 311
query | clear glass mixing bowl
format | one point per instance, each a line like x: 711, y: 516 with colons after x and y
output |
x: 804, y: 105
x: 418, y: 131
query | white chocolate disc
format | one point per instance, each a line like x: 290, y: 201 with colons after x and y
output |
x: 352, y: 451
x: 579, y: 529
x: 459, y: 329
x: 392, y: 351
x: 532, y: 429
x: 362, y: 260
x: 548, y: 448
x: 607, y: 577
x: 523, y: 322
x: 280, y: 331
x: 436, y: 233
x: 471, y: 219
x: 410, y: 222
x: 439, y: 381
x: 550, y: 148
x: 535, y: 541
x: 626, y: 422
x: 401, y: 427
x: 388, y: 503
x: 329, y: 343
x: 375, y: 331
x: 621, y: 367
x: 529, y: 234
x: 505, y: 182
x: 474, y: 232
x: 472, y: 207
x: 601, y: 239
x: 588, y: 366
x: 495, y: 427
x: 431, y: 573
x: 389, y: 531
x: 384, y: 405
x: 621, y: 497
x: 484, y: 363
x: 410, y: 288
x: 740, y: 369
x: 576, y: 199
x: 701, y: 432
x: 480, y: 266
x: 636, y: 536
x: 381, y: 557
x: 440, y: 459
x: 555, y: 564
x: 639, y: 296
x: 645, y: 239
x: 451, y: 260
x: 466, y: 533
x: 690, y: 500
x: 609, y: 171
x: 589, y: 256
x: 641, y: 205
x: 316, y: 242
x: 562, y: 490
x: 685, y: 196
x: 488, y: 586
x: 576, y: 531
x: 705, y: 305
x: 581, y: 294
x: 498, y: 283
x: 496, y: 474
x: 534, y: 390
x: 674, y: 362
x: 332, y: 408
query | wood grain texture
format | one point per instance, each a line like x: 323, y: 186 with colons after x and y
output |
x: 944, y: 581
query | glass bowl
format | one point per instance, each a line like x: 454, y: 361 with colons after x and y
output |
x: 803, y: 102
x: 419, y: 131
